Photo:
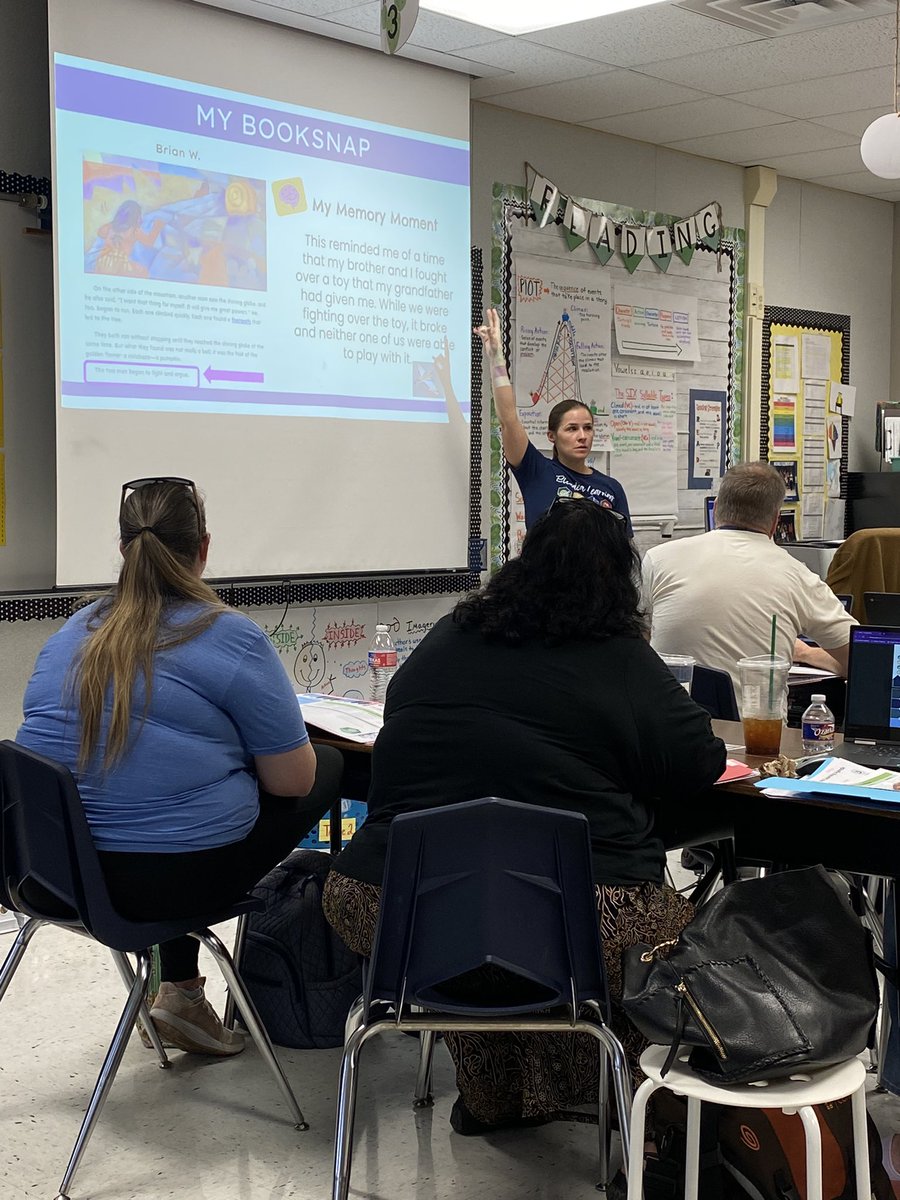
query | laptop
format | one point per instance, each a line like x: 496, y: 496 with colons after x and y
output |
x: 710, y: 513
x: 872, y: 715
x: 882, y: 608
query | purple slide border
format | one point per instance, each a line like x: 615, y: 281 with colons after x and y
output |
x: 95, y: 93
x: 134, y: 391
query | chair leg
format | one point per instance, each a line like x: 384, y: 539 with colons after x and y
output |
x: 17, y: 949
x: 635, y: 1167
x: 127, y: 973
x: 861, y: 1143
x: 108, y: 1069
x: 424, y: 1097
x: 603, y: 1116
x: 692, y: 1150
x: 346, y: 1111
x: 814, y: 1151
x: 621, y: 1078
x: 237, y: 955
x: 252, y: 1020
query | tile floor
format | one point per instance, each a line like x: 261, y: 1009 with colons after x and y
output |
x: 216, y: 1129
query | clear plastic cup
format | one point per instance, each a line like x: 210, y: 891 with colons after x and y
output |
x: 763, y: 685
x: 682, y: 667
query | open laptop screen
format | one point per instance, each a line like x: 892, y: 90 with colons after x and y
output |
x: 873, y: 684
x: 710, y: 513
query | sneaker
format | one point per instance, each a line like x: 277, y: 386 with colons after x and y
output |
x: 192, y: 1024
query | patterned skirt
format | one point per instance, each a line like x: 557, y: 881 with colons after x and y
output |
x: 504, y: 1076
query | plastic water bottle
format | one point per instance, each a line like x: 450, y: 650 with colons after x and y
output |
x: 382, y: 662
x: 818, y: 727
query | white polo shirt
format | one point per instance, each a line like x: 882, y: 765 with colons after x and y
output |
x: 713, y: 596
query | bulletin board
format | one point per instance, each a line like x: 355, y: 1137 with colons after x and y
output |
x: 648, y: 451
x: 803, y: 429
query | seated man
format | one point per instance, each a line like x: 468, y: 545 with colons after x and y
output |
x: 713, y: 596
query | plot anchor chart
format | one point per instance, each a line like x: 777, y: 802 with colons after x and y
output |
x: 560, y: 378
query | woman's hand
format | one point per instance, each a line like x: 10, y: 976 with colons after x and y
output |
x: 489, y: 333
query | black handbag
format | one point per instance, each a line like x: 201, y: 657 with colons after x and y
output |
x: 771, y: 974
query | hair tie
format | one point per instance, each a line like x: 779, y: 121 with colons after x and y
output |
x: 146, y: 529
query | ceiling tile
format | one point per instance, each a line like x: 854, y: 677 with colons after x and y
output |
x: 854, y: 122
x: 820, y: 54
x: 812, y: 164
x: 863, y: 182
x: 526, y: 65
x: 822, y: 97
x: 754, y: 145
x: 696, y: 118
x: 629, y: 38
x: 596, y: 96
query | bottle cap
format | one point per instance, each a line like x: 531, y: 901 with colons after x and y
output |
x: 381, y: 628
x: 817, y: 698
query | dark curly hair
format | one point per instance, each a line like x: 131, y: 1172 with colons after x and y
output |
x: 577, y: 577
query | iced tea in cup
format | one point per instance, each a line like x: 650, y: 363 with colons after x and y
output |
x: 763, y: 684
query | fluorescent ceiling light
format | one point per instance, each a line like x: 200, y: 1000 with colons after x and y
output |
x: 527, y: 16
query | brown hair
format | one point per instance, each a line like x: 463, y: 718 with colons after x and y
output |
x: 161, y: 528
x: 558, y: 411
x: 751, y: 495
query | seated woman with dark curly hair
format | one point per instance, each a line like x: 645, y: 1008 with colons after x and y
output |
x: 541, y: 688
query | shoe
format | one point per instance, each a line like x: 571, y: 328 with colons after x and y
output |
x: 192, y: 1024
x: 462, y: 1121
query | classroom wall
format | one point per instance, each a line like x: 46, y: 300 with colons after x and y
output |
x: 26, y: 304
x: 826, y: 250
x: 832, y: 251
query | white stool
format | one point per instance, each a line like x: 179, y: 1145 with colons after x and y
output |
x: 795, y: 1093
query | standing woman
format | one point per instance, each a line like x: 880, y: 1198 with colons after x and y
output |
x: 570, y: 428
x: 184, y: 735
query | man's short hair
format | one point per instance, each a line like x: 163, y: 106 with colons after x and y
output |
x: 751, y: 495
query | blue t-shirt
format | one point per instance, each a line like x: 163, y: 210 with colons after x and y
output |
x: 185, y: 782
x: 542, y: 479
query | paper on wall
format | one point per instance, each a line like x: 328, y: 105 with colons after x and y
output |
x: 655, y: 324
x: 784, y: 423
x: 785, y: 363
x: 833, y: 477
x: 841, y: 398
x: 562, y: 338
x: 816, y: 362
x: 641, y: 424
x: 834, y: 438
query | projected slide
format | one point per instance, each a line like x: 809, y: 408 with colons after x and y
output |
x: 222, y: 253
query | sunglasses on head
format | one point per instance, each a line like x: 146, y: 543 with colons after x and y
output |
x: 135, y: 485
x: 579, y: 498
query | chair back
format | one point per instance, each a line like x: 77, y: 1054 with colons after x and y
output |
x: 713, y: 690
x: 50, y: 865
x: 488, y: 882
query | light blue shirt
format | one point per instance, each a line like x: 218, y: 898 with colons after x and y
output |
x: 186, y: 781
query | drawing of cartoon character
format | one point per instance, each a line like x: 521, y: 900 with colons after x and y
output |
x: 120, y: 235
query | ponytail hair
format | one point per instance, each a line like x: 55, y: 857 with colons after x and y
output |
x: 162, y: 526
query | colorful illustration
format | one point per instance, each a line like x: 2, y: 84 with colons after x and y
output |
x: 173, y: 223
x: 560, y: 378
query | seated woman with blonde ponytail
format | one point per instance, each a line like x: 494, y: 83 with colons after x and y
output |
x: 183, y: 732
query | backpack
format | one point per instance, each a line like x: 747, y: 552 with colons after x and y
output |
x: 758, y: 1153
x: 300, y: 975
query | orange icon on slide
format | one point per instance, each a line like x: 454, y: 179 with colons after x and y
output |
x: 289, y: 196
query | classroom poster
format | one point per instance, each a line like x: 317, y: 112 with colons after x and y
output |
x: 656, y: 324
x: 706, y: 441
x: 640, y: 424
x: 562, y: 339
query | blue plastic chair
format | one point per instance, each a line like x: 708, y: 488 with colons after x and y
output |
x: 489, y: 881
x: 713, y: 690
x: 51, y: 873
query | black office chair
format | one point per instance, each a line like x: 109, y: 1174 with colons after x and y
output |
x: 460, y: 892
x: 713, y: 690
x: 51, y: 873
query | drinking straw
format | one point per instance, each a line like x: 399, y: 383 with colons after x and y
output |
x: 772, y: 663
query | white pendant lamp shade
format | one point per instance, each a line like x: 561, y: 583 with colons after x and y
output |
x: 880, y: 146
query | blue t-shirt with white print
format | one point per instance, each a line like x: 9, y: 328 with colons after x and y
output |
x: 542, y: 479
x: 186, y: 781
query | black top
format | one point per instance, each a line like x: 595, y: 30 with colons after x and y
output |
x: 601, y: 728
